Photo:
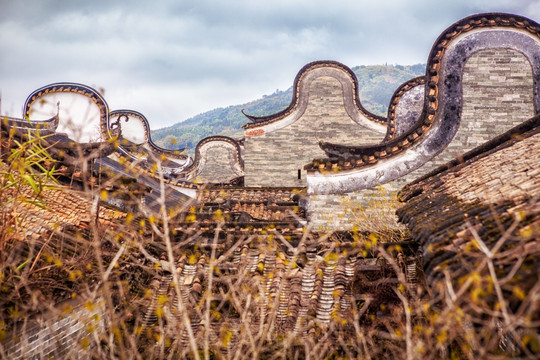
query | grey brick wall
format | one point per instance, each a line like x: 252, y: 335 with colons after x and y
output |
x: 497, y: 95
x: 217, y: 166
x: 371, y: 210
x: 274, y: 158
x: 69, y: 332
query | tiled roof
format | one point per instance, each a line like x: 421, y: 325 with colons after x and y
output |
x: 55, y: 207
x: 149, y: 168
x: 58, y: 209
x: 509, y: 138
x: 183, y: 184
x: 71, y: 155
x: 263, y: 211
x: 50, y: 230
x: 58, y: 145
x: 173, y: 198
x: 244, y: 211
x: 68, y: 151
x: 491, y: 195
x: 45, y: 126
x: 344, y: 158
x: 298, y: 289
x: 505, y: 170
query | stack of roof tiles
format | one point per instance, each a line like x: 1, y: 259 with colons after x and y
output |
x: 267, y: 283
x: 267, y: 274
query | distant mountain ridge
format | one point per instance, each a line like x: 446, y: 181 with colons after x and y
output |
x: 376, y: 85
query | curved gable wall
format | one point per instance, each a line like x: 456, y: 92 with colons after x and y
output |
x: 218, y: 164
x: 274, y: 157
x: 218, y: 159
x: 497, y: 95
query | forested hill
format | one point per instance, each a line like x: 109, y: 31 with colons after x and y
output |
x: 376, y: 84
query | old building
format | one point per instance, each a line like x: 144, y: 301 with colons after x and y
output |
x: 325, y: 107
x: 246, y: 241
x: 481, y: 80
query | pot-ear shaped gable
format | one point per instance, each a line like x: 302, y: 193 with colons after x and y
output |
x: 351, y: 168
x: 325, y: 106
x: 300, y: 100
x: 133, y: 132
x: 218, y: 159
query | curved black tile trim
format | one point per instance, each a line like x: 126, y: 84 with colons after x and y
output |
x: 126, y: 115
x: 76, y: 88
x: 441, y: 114
x: 298, y: 93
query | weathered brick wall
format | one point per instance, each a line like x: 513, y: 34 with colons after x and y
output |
x: 274, y: 158
x: 497, y: 95
x: 70, y: 332
x: 367, y: 210
x: 217, y: 166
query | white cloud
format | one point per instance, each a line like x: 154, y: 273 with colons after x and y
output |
x: 171, y: 59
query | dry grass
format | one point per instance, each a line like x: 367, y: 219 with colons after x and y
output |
x: 167, y: 293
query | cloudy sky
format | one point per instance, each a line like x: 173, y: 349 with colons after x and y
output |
x: 173, y: 59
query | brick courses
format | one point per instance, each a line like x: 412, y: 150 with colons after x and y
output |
x: 274, y: 158
x: 497, y: 95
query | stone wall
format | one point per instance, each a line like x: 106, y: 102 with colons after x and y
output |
x: 277, y: 158
x: 497, y: 95
x: 70, y: 331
